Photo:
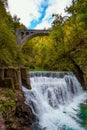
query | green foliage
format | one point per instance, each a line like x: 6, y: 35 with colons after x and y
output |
x: 67, y: 40
x: 2, y: 108
x: 11, y: 93
x: 9, y: 104
x: 10, y: 53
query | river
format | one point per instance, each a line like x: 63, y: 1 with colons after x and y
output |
x: 55, y: 99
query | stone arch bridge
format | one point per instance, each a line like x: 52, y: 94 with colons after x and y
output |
x: 23, y: 35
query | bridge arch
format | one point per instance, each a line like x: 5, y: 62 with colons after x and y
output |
x: 23, y: 35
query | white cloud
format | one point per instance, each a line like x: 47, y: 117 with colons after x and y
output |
x: 43, y: 25
x: 28, y: 10
x: 25, y: 9
x: 55, y: 7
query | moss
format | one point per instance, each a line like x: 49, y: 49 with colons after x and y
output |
x: 2, y: 108
x: 11, y: 93
x: 7, y: 100
x: 10, y: 103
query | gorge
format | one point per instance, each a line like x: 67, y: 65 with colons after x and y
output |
x: 57, y: 99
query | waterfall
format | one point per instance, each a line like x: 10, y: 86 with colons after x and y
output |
x: 54, y: 99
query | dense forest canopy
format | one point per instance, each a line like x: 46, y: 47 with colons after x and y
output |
x: 65, y: 47
x: 67, y: 41
x: 10, y: 53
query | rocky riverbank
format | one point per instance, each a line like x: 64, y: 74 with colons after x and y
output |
x: 14, y: 113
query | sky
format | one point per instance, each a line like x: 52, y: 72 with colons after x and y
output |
x: 37, y: 14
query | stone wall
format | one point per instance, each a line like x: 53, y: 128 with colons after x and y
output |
x: 16, y: 76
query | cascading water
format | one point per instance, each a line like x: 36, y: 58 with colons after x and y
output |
x: 54, y: 99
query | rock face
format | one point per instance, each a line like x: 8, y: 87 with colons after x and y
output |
x: 16, y: 114
x: 79, y: 74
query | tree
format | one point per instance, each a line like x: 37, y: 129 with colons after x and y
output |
x: 10, y: 54
x: 5, y: 3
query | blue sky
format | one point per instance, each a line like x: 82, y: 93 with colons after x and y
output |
x: 37, y: 13
x: 34, y: 23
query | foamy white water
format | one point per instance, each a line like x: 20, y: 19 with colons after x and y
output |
x: 54, y: 99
